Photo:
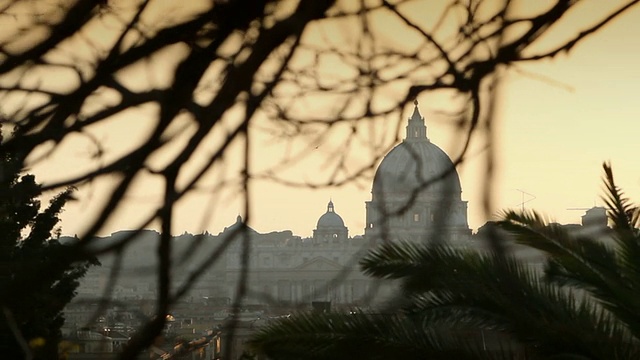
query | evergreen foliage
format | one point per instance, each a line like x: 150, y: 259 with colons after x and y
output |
x: 38, y: 276
x: 469, y: 304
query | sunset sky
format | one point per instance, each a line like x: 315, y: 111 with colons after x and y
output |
x: 558, y: 120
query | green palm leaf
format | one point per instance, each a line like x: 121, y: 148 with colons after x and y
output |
x: 625, y: 220
x: 364, y: 336
x: 492, y: 293
x: 609, y: 274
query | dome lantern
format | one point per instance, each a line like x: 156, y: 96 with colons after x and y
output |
x: 416, y: 128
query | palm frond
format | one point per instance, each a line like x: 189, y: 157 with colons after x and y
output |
x: 588, y: 262
x: 623, y: 214
x: 420, y: 267
x: 507, y: 297
x: 579, y: 262
x: 364, y: 336
x: 625, y: 220
x: 471, y: 290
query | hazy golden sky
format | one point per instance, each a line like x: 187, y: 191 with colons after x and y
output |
x: 558, y: 121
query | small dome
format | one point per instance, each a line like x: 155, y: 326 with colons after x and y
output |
x: 330, y: 219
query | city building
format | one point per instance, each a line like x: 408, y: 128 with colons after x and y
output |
x: 287, y: 269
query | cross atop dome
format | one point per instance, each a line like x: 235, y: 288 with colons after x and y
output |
x: 416, y: 128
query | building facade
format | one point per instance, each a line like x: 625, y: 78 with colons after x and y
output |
x: 287, y: 269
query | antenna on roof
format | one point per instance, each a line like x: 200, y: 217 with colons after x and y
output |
x: 531, y: 198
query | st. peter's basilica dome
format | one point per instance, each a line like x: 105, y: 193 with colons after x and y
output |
x: 416, y: 168
x: 416, y: 192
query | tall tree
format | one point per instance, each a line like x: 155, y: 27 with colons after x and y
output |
x: 483, y: 304
x: 37, y: 278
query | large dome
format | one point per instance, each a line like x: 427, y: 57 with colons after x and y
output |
x: 416, y: 167
x: 411, y: 166
x: 416, y: 193
x: 330, y: 219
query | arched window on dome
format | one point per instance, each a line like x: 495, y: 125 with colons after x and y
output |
x: 416, y: 217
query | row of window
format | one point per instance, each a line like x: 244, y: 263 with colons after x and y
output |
x: 416, y: 218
